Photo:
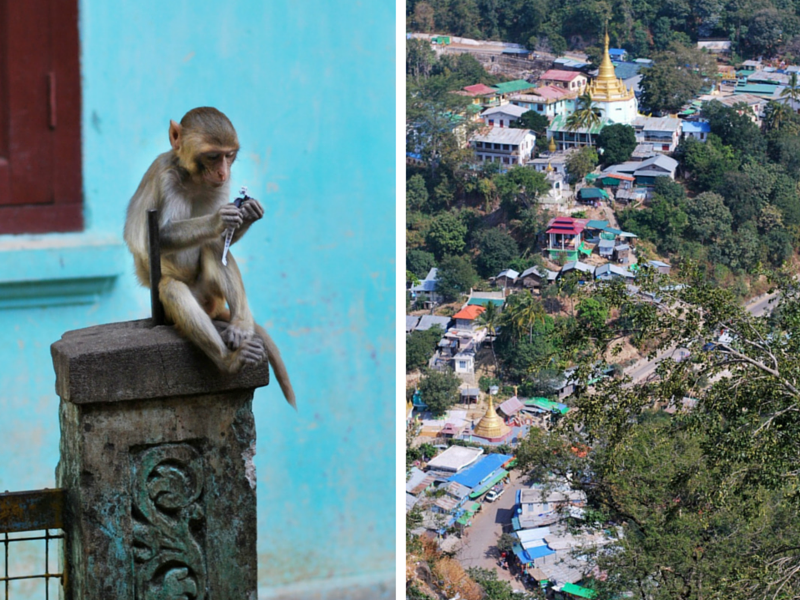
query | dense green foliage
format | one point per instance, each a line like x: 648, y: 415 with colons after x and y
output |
x: 497, y: 250
x: 618, y: 142
x: 754, y: 28
x: 704, y: 502
x: 746, y: 211
x: 456, y: 276
x: 420, y: 346
x: 439, y: 390
x: 676, y: 76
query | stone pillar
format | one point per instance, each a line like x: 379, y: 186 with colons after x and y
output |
x: 157, y: 460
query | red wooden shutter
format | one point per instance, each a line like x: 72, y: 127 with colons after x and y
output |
x: 40, y: 138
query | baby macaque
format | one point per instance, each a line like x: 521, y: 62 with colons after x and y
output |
x: 190, y: 188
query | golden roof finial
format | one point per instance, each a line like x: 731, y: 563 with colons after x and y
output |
x: 491, y: 426
x: 606, y: 86
x: 552, y: 146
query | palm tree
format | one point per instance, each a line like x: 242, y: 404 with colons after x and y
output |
x: 585, y: 115
x: 523, y: 312
x: 792, y: 91
x: 775, y: 115
x: 490, y: 321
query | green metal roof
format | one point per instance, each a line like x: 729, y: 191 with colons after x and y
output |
x: 559, y: 123
x: 592, y: 193
x: 546, y: 404
x: 517, y: 85
x: 485, y: 487
x: 579, y: 591
x: 757, y: 89
x: 485, y: 301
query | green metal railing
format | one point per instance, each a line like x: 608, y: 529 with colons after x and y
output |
x: 34, y: 519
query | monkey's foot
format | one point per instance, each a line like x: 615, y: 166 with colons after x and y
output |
x: 252, y: 352
x: 234, y: 335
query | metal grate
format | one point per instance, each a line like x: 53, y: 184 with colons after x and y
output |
x: 29, y: 522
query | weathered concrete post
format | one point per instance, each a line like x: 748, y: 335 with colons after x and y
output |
x: 157, y: 459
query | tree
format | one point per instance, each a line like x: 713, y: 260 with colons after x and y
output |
x: 520, y: 187
x: 767, y: 28
x: 677, y: 75
x: 735, y: 128
x: 420, y: 262
x: 792, y: 91
x: 446, y: 235
x: 618, y: 141
x: 497, y: 249
x: 490, y: 320
x: 747, y: 190
x: 585, y: 116
x: 704, y: 502
x: 581, y: 163
x: 534, y: 121
x: 707, y: 163
x: 709, y: 218
x: 419, y: 58
x: 439, y: 390
x: 456, y: 276
x: 420, y: 346
x: 416, y: 193
x: 522, y: 312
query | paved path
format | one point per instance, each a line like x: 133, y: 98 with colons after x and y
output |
x: 478, y: 544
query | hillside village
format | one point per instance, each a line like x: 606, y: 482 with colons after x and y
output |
x: 537, y: 193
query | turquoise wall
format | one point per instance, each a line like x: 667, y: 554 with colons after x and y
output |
x: 310, y: 87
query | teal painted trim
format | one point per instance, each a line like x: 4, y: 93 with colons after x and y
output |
x: 58, y: 270
x: 379, y: 586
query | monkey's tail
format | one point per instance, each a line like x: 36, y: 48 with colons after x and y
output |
x: 277, y: 366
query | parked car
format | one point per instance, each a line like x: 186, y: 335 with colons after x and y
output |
x: 494, y: 494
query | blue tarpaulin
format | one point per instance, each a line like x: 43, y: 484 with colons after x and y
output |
x: 538, y: 552
x: 472, y: 476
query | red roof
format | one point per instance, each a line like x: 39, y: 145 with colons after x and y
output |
x: 469, y: 313
x: 559, y: 75
x: 619, y: 176
x: 566, y: 225
x: 550, y: 92
x: 479, y: 89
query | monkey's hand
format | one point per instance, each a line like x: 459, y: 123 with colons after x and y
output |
x: 251, y: 210
x: 230, y: 217
x: 235, y: 335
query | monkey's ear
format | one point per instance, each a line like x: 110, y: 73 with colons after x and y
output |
x: 174, y: 134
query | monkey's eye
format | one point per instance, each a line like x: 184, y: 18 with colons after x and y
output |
x: 212, y: 157
x: 231, y: 156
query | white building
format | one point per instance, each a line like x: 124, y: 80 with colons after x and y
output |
x: 664, y: 133
x: 503, y: 145
x: 502, y: 116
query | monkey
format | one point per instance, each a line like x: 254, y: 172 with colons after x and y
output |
x: 189, y: 185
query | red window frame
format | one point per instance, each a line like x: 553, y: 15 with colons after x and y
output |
x: 40, y: 117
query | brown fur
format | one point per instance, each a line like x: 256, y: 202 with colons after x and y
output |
x: 190, y: 187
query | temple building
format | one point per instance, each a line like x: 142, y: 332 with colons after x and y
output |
x: 616, y: 102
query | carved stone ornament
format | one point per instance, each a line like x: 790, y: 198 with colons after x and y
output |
x: 168, y: 523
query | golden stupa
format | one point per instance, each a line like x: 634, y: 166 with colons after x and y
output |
x: 552, y: 146
x: 606, y: 87
x: 491, y: 426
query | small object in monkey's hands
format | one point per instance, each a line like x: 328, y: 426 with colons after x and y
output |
x: 229, y: 232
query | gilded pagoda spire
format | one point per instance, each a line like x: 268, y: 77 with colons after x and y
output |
x: 606, y: 87
x: 491, y: 426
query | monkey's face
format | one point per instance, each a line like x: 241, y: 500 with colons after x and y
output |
x: 215, y: 165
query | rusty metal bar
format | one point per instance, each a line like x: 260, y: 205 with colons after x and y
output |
x: 32, y: 510
x: 156, y: 308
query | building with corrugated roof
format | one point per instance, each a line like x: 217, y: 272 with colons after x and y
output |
x: 502, y: 145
